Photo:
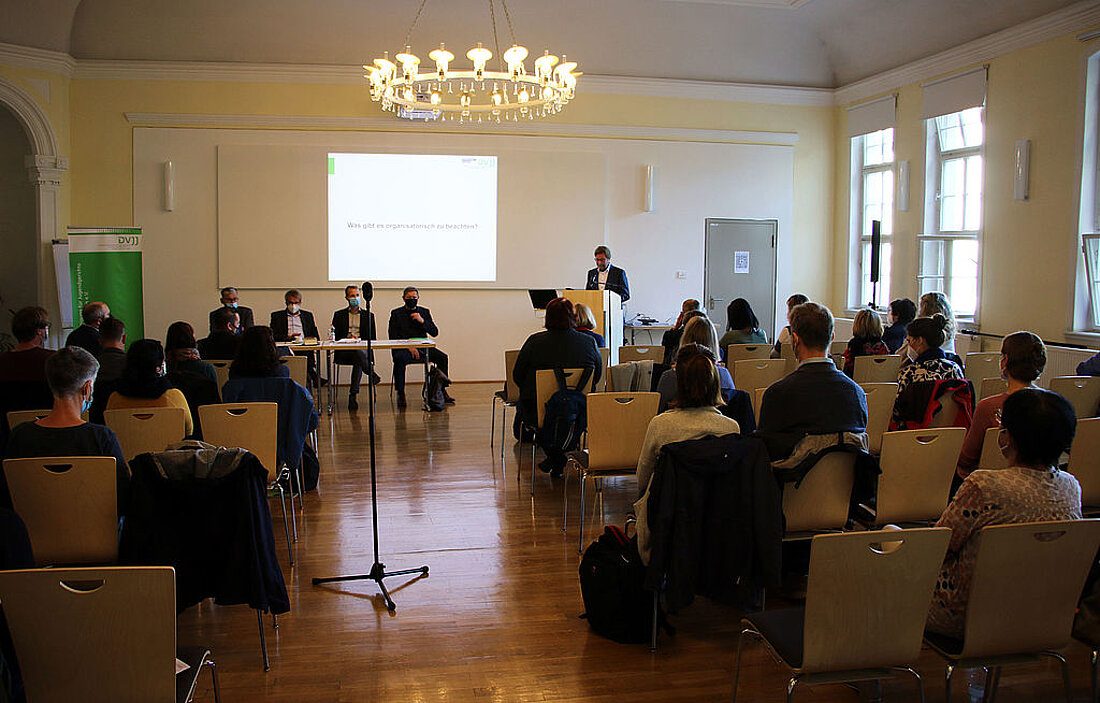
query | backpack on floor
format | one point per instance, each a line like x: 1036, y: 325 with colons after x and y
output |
x: 566, y: 416
x: 616, y: 604
x: 434, y: 396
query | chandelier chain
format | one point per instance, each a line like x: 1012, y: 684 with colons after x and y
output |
x: 408, y: 34
x: 496, y: 41
x: 508, y: 17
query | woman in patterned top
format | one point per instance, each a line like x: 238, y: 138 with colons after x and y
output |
x: 866, y: 340
x: 927, y: 360
x: 1036, y: 427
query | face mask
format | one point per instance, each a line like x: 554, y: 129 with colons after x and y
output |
x: 86, y: 405
x: 410, y: 303
x: 354, y: 302
x: 232, y: 306
x: 293, y: 308
x: 911, y: 353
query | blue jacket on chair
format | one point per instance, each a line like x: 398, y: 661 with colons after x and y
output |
x: 297, y: 416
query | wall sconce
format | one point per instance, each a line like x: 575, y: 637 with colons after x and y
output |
x: 903, y: 186
x: 1020, y: 172
x: 169, y: 187
x: 648, y: 191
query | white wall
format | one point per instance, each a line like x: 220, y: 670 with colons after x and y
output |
x: 696, y: 180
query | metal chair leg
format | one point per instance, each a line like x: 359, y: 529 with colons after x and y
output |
x: 947, y: 680
x: 1095, y: 660
x: 565, y: 496
x: 1065, y: 673
x: 493, y: 421
x: 533, y: 468
x: 286, y: 524
x: 263, y: 640
x: 580, y: 518
x: 653, y: 624
x: 214, y: 678
x: 920, y: 681
x: 790, y: 688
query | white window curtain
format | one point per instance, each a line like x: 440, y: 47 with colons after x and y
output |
x: 872, y: 116
x: 953, y: 93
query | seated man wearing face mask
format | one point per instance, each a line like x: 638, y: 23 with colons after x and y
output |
x: 231, y: 300
x: 348, y: 324
x: 413, y: 322
x: 293, y: 324
x: 70, y: 374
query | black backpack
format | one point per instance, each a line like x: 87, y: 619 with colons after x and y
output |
x: 616, y: 604
x: 434, y: 397
x: 566, y: 416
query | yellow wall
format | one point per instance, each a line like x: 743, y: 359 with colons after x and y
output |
x: 1029, y: 247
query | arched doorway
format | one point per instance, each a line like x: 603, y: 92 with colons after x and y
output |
x: 18, y: 226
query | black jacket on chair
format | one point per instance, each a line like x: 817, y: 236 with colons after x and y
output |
x: 280, y: 327
x: 214, y: 529
x: 715, y: 521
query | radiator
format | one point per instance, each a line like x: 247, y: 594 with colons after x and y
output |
x: 1061, y: 361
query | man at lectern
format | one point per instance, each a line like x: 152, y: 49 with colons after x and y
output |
x: 608, y: 277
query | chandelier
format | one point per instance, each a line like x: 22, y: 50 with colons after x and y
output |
x: 479, y: 94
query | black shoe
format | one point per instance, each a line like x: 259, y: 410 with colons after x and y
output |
x: 401, y: 403
x: 375, y: 379
x: 353, y: 404
x: 324, y: 382
x: 448, y: 399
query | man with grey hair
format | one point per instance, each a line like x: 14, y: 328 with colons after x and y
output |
x: 87, y: 335
x: 231, y: 299
x: 70, y: 373
x: 607, y: 277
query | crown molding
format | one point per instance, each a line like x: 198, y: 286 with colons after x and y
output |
x: 705, y: 90
x: 41, y: 59
x: 1074, y: 18
x: 383, y: 124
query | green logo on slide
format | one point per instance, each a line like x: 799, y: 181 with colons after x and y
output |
x: 331, y: 166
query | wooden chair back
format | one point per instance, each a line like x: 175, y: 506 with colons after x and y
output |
x: 546, y: 384
x: 881, y: 368
x: 757, y: 402
x: 69, y: 505
x: 982, y: 365
x: 786, y: 352
x: 740, y: 352
x: 880, y: 405
x: 949, y: 411
x: 991, y: 457
x: 251, y: 426
x: 652, y: 352
x: 867, y: 597
x: 94, y: 634
x: 750, y: 374
x: 299, y: 369
x: 917, y: 468
x: 511, y: 388
x: 1084, y: 459
x: 837, y: 346
x: 1027, y: 579
x: 221, y: 368
x: 617, y: 424
x: 605, y: 377
x: 1082, y: 391
x: 990, y: 387
x: 141, y: 430
x: 18, y: 417
x: 821, y: 501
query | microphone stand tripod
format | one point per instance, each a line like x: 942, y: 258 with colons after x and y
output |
x: 378, y: 569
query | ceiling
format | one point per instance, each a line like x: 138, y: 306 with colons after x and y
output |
x: 814, y: 43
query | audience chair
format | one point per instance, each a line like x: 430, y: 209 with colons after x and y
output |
x: 507, y: 398
x: 757, y: 402
x: 70, y: 507
x: 880, y: 404
x: 299, y: 369
x: 546, y: 384
x: 949, y: 411
x: 1023, y: 594
x: 750, y: 374
x: 100, y: 634
x: 820, y: 503
x: 786, y: 352
x: 1082, y: 391
x: 867, y: 599
x: 837, y: 346
x: 982, y: 365
x: 740, y: 352
x: 653, y: 352
x: 917, y: 469
x: 146, y: 429
x: 877, y: 369
x: 252, y: 426
x: 990, y: 387
x: 18, y: 417
x: 617, y: 424
x: 605, y: 377
x: 221, y: 368
x: 991, y: 457
x: 1084, y: 462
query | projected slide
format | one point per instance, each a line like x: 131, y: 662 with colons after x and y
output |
x: 412, y: 217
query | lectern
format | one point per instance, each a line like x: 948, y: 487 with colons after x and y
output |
x: 607, y: 306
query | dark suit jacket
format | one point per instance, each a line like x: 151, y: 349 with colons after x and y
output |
x: 554, y: 349
x: 616, y: 281
x: 244, y: 313
x: 111, y: 363
x: 402, y: 326
x: 815, y: 398
x: 279, y: 325
x: 340, y: 323
x: 219, y: 345
x: 86, y: 337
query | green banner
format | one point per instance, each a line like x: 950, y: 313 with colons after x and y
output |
x: 105, y: 264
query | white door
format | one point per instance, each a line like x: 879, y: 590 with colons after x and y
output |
x: 740, y: 263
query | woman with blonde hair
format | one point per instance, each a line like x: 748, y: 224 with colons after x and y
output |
x: 698, y: 330
x: 936, y: 302
x: 866, y: 339
x: 586, y: 322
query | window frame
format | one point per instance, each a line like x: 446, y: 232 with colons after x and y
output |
x: 858, y: 241
x: 1086, y: 310
x: 934, y: 160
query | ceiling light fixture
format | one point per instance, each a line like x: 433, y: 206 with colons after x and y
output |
x: 481, y: 94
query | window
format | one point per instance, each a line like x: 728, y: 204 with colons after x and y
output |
x: 1087, y: 293
x: 872, y: 199
x: 950, y: 246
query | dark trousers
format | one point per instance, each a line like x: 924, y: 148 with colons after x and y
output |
x: 402, y: 358
x: 359, y: 362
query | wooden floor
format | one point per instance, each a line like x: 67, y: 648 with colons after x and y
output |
x: 497, y: 618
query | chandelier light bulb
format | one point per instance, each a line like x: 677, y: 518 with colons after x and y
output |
x: 480, y: 56
x: 514, y: 58
x: 544, y: 66
x: 442, y: 59
x: 436, y: 97
x: 410, y: 65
